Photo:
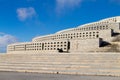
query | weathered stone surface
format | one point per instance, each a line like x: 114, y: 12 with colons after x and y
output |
x: 69, y: 63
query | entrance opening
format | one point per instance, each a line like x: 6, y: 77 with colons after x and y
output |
x: 42, y: 46
x: 60, y: 50
x: 68, y: 45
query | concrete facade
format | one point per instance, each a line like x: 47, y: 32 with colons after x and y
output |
x: 85, y: 38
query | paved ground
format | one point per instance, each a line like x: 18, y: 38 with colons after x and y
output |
x: 36, y: 76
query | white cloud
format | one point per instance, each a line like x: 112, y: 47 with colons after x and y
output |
x: 62, y: 4
x: 26, y: 13
x: 6, y: 39
x: 69, y: 3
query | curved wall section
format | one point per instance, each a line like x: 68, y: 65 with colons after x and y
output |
x: 97, y: 33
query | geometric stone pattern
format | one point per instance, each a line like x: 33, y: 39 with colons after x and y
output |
x: 91, y: 37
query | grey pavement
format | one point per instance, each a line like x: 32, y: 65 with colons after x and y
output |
x: 38, y: 76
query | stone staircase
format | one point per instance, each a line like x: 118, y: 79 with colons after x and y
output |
x: 67, y: 63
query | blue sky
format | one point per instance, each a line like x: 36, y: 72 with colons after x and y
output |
x: 22, y: 20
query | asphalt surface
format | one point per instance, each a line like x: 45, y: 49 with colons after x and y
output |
x: 37, y: 76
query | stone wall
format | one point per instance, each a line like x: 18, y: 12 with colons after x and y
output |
x: 85, y: 45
